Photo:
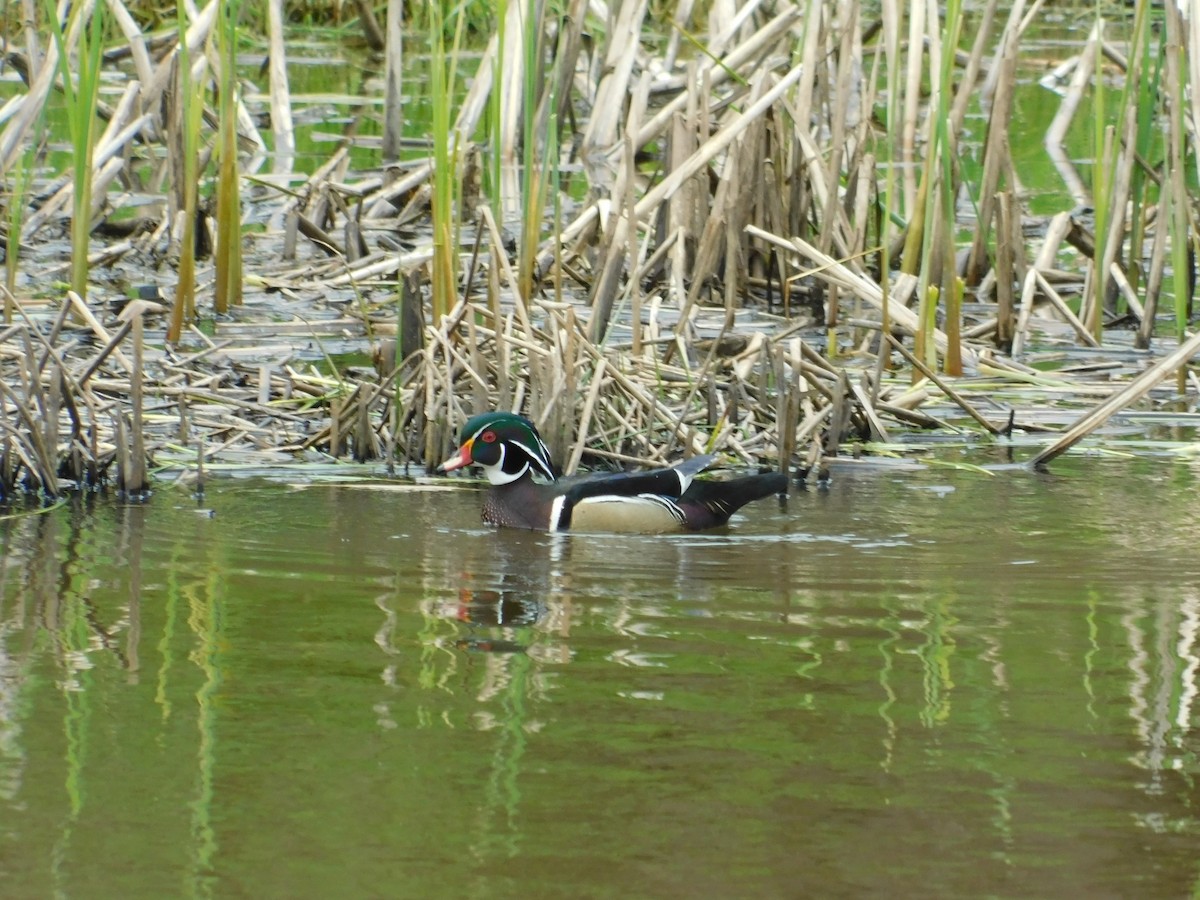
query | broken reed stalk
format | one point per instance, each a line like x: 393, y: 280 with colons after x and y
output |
x: 393, y: 82
x: 135, y: 482
x: 621, y: 51
x: 945, y: 388
x: 1103, y: 139
x: 1055, y: 233
x: 1155, y: 269
x: 280, y: 94
x: 1007, y: 244
x: 1118, y: 400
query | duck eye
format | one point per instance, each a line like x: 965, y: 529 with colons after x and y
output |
x: 488, y: 437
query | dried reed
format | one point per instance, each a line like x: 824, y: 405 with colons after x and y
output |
x: 735, y: 236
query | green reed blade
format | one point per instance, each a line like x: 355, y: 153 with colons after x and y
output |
x: 535, y: 169
x: 191, y: 101
x: 442, y: 81
x: 228, y: 287
x: 84, y: 34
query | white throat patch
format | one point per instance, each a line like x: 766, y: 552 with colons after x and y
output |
x: 496, y: 474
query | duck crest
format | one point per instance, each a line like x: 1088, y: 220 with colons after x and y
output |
x: 507, y: 446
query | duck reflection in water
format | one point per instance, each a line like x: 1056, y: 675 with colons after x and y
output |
x: 506, y: 593
x: 495, y: 609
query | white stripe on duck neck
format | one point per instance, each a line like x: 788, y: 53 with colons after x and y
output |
x: 496, y: 474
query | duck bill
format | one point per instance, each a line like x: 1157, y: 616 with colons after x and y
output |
x: 461, y: 458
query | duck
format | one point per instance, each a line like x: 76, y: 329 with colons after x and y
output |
x: 526, y: 492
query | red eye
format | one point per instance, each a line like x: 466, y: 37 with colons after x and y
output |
x: 488, y: 437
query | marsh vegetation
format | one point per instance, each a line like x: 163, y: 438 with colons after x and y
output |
x: 779, y: 231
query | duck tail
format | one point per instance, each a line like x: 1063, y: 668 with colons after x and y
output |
x: 711, y: 503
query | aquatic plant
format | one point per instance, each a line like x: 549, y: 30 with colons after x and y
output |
x: 185, y: 122
x: 227, y: 291
x: 773, y: 230
x: 80, y: 42
x: 446, y: 161
x: 1182, y: 65
x: 18, y: 197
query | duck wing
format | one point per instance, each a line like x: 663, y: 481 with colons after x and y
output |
x: 647, y: 500
x: 669, y: 482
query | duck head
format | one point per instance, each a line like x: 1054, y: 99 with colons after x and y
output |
x: 505, y: 445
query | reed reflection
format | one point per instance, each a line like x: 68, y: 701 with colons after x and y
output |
x: 75, y: 575
x: 825, y: 682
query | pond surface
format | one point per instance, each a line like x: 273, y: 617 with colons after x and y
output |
x: 915, y: 682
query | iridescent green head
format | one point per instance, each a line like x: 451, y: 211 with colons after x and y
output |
x: 506, y: 445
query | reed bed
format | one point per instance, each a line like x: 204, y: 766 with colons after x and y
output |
x: 756, y: 236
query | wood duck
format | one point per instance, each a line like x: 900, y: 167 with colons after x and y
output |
x: 511, y: 453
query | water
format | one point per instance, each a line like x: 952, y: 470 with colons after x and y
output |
x: 918, y: 682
